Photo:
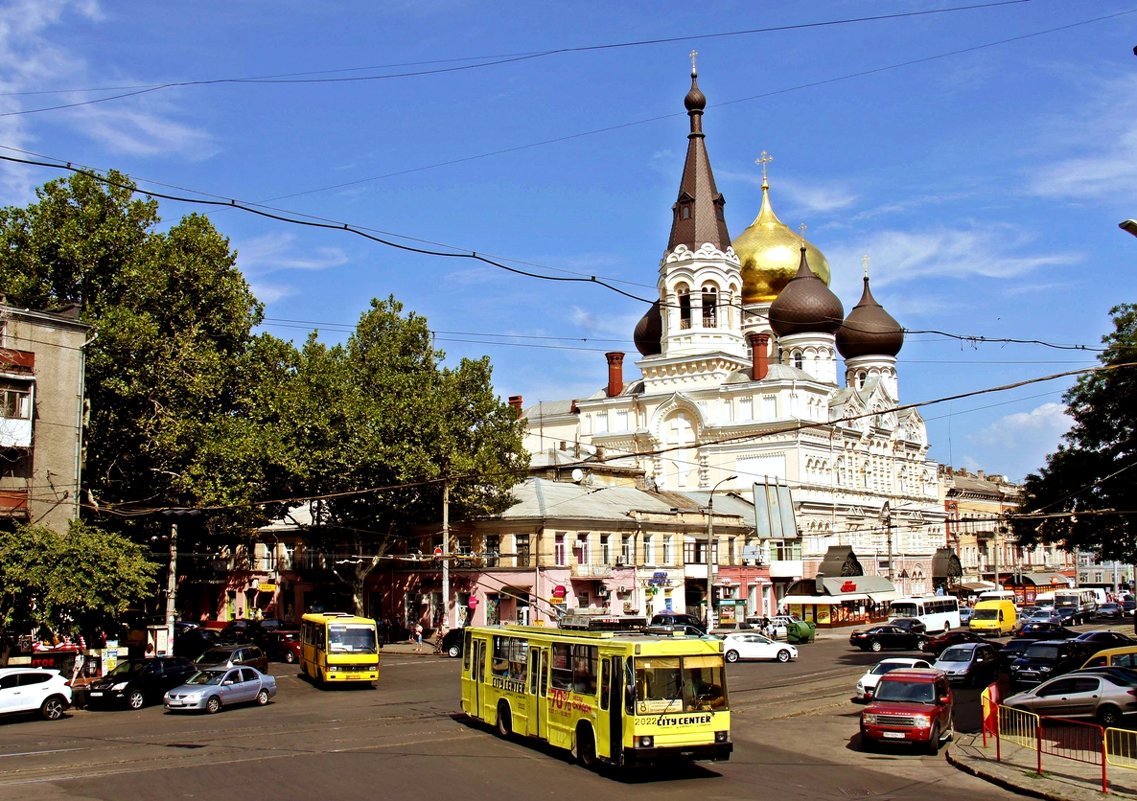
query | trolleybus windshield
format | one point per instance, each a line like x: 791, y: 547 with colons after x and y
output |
x: 666, y: 684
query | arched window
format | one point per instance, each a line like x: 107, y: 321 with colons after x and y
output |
x: 710, y: 306
x: 798, y: 360
x: 684, y: 296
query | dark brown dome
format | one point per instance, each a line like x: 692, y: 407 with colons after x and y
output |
x: 869, y: 330
x: 806, y: 305
x: 695, y: 99
x: 649, y: 332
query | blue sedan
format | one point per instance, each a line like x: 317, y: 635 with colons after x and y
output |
x: 214, y: 688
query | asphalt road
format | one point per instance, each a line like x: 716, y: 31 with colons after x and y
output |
x: 795, y: 734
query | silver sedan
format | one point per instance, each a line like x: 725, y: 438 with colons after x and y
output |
x: 214, y: 688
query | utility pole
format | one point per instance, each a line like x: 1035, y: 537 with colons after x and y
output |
x: 886, y: 518
x: 448, y: 614
x: 172, y: 588
x: 710, y: 553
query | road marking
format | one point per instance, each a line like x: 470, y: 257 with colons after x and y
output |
x: 38, y: 753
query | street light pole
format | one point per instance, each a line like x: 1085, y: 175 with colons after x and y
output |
x: 172, y: 588
x: 886, y: 518
x: 710, y: 553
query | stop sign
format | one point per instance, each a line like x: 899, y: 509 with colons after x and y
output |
x: 438, y: 550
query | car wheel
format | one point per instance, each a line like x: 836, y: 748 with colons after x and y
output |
x: 262, y: 697
x: 732, y: 656
x: 52, y: 708
x: 504, y: 720
x: 934, y: 740
x: 876, y: 647
x: 1108, y: 715
x: 783, y: 655
x: 454, y: 651
x: 289, y: 658
x: 213, y: 705
x: 136, y: 699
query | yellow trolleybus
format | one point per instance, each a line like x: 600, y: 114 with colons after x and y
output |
x: 338, y: 647
x: 622, y: 697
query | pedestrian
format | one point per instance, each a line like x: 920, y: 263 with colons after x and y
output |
x: 418, y: 637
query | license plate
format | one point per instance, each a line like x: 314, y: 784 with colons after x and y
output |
x: 96, y: 693
x: 894, y: 735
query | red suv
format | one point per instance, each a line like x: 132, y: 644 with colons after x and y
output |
x: 909, y: 706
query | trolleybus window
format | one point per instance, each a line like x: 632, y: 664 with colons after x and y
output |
x: 509, y: 657
x: 574, y: 668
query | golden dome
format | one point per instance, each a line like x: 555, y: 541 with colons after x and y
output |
x: 770, y: 253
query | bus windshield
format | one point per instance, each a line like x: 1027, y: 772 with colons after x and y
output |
x: 349, y: 639
x: 679, y: 684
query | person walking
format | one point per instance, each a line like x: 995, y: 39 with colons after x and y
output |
x: 418, y: 637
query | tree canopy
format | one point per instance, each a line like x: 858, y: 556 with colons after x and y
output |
x: 1083, y: 498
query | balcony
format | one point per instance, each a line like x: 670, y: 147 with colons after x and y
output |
x: 785, y: 568
x: 591, y: 571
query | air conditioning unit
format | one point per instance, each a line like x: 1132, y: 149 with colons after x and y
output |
x: 602, y: 593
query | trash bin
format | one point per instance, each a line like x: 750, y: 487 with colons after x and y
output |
x: 801, y: 631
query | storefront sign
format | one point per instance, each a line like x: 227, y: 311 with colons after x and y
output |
x: 559, y: 591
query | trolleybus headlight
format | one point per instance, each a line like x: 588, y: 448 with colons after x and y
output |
x: 646, y: 741
x: 722, y: 736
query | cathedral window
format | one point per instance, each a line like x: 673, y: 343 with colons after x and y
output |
x: 710, y: 306
x: 684, y: 306
x: 798, y: 361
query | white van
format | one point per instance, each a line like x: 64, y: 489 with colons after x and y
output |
x: 998, y: 595
x: 1044, y: 600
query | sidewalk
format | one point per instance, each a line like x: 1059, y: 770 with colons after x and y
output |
x: 1061, y: 780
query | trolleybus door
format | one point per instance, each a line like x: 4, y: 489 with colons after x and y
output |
x: 478, y: 674
x: 612, y: 700
x: 538, y: 723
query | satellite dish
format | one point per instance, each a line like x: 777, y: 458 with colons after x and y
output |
x: 577, y: 475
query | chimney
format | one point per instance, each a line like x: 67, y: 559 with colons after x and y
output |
x: 615, y: 373
x: 516, y: 402
x: 758, y: 357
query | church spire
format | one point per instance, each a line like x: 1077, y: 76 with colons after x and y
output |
x: 698, y: 212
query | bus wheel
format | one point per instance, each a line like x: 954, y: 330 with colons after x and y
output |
x: 504, y: 720
x: 584, y: 746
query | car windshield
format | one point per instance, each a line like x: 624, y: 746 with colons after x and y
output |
x: 1042, y: 651
x: 985, y: 614
x: 213, y: 655
x: 923, y: 692
x: 956, y: 655
x: 885, y: 667
x: 207, y: 677
x: 127, y: 669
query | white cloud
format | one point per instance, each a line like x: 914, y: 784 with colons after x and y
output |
x: 272, y: 253
x: 1018, y: 443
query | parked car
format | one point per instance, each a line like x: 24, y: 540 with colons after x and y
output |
x: 1106, y: 697
x: 140, y: 681
x: 452, y: 642
x: 752, y: 645
x: 910, y: 623
x: 1104, y: 638
x: 1125, y: 657
x: 1045, y: 631
x: 1043, y: 614
x: 192, y: 642
x: 29, y: 689
x: 964, y: 615
x: 212, y: 689
x: 878, y: 638
x: 282, y: 646
x: 677, y: 619
x: 1044, y: 659
x: 936, y: 643
x: 1011, y: 651
x: 910, y: 706
x: 1110, y: 611
x: 1129, y: 604
x: 1071, y: 616
x: 233, y: 656
x: 866, y: 685
x: 969, y: 663
x: 243, y: 630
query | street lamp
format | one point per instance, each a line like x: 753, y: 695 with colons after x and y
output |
x: 1128, y: 225
x: 710, y: 552
x: 886, y: 518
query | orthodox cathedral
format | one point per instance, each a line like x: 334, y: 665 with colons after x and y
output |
x: 751, y: 373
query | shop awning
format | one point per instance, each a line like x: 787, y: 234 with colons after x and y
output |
x: 885, y: 596
x: 823, y: 600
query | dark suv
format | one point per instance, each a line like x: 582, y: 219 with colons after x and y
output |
x: 909, y: 706
x: 233, y: 656
x: 1044, y: 659
x: 140, y: 681
x: 677, y: 621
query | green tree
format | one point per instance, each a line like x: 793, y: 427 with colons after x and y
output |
x: 1089, y: 484
x: 76, y: 582
x: 383, y: 427
x: 166, y: 373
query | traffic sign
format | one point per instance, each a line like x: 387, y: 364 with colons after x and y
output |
x: 438, y: 550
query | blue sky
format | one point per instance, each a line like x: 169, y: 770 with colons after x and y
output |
x: 981, y: 158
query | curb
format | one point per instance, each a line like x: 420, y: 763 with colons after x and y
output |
x: 999, y: 781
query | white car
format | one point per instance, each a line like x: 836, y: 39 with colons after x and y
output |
x: 751, y: 645
x: 28, y: 689
x: 866, y: 686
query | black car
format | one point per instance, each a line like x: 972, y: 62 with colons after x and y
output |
x: 910, y: 623
x: 1070, y: 616
x: 192, y: 642
x: 678, y: 619
x: 1044, y: 659
x: 452, y: 642
x: 1045, y: 631
x: 1011, y: 651
x: 138, y: 682
x: 242, y: 630
x: 1104, y: 638
x: 937, y: 643
x: 885, y: 636
x: 1110, y: 611
x: 281, y: 646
